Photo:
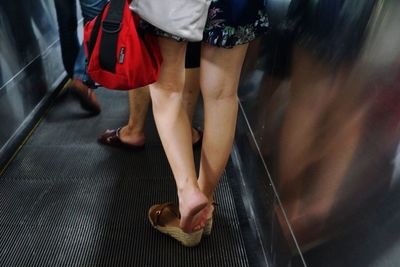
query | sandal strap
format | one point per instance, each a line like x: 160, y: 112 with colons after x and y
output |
x: 114, y: 136
x: 117, y: 131
x: 161, y: 208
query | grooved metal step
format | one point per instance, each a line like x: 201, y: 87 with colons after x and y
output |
x: 66, y: 200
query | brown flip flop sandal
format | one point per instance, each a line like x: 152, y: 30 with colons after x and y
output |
x: 166, y: 218
x: 111, y: 138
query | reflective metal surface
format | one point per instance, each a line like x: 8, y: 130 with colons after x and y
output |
x: 30, y: 61
x: 322, y: 100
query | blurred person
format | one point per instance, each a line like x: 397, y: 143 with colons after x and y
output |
x: 272, y: 54
x: 72, y: 50
x: 228, y: 31
x: 132, y: 135
x: 325, y: 116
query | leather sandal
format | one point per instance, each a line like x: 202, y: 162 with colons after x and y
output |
x: 111, y: 138
x: 166, y: 218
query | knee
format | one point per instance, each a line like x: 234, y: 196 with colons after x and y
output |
x: 170, y: 87
x: 164, y: 94
x: 219, y: 94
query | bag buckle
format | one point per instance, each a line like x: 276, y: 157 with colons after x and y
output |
x: 111, y: 26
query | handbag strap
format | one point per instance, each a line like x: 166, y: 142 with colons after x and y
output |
x: 94, y: 34
x: 111, y: 27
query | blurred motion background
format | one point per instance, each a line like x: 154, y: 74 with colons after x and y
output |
x: 321, y: 95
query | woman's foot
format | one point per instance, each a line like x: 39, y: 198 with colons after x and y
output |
x: 131, y: 137
x: 208, y: 214
x: 128, y: 138
x: 165, y: 218
x: 191, y: 204
x: 120, y: 138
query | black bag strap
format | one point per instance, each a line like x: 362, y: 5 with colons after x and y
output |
x: 111, y: 27
x: 95, y: 32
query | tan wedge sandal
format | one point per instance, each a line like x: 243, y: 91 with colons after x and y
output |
x: 165, y: 218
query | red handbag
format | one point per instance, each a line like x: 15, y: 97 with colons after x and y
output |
x: 119, y: 54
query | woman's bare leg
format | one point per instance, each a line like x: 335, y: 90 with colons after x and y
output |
x: 219, y: 79
x: 191, y: 90
x: 139, y: 100
x: 175, y: 132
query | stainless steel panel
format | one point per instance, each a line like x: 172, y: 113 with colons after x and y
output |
x: 323, y: 106
x: 30, y: 61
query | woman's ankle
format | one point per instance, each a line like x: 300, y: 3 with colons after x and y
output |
x: 192, y: 202
x: 131, y: 135
x: 190, y: 195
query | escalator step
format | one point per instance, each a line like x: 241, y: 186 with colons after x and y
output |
x: 65, y: 200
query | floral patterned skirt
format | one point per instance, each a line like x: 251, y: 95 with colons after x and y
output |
x: 229, y: 23
x: 235, y: 22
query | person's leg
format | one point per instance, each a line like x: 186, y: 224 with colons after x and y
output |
x: 219, y: 79
x: 174, y: 129
x: 190, y: 95
x: 310, y: 93
x: 139, y: 99
x: 191, y: 89
x: 90, y: 9
x: 67, y: 28
x: 133, y: 132
x: 78, y: 85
